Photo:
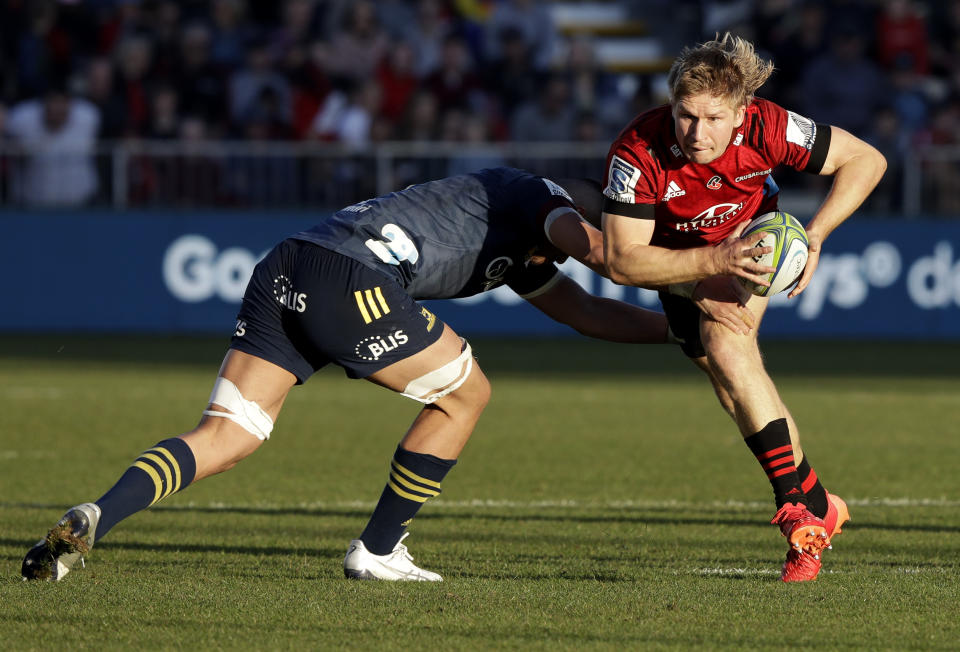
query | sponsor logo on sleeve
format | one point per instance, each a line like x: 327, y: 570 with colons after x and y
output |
x: 284, y: 293
x: 622, y: 180
x: 801, y: 131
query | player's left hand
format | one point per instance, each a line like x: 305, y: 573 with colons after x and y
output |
x: 723, y: 300
x: 814, y: 242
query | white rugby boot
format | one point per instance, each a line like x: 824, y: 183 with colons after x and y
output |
x: 361, y: 564
x: 71, y: 538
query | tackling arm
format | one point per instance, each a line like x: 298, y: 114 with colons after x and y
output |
x: 605, y: 319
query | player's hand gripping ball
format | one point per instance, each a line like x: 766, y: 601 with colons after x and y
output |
x: 789, y: 256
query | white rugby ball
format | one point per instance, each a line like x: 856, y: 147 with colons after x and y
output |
x: 789, y: 256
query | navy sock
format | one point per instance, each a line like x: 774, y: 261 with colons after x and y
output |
x: 166, y: 468
x: 773, y: 450
x: 810, y: 483
x: 414, y: 478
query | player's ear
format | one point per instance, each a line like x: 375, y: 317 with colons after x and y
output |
x: 741, y: 112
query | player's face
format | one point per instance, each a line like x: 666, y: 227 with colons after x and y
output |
x: 705, y: 125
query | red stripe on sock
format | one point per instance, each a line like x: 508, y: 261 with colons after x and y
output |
x: 811, y: 480
x: 775, y: 452
x: 783, y: 471
x: 778, y: 462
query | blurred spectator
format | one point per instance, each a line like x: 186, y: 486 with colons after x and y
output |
x: 888, y: 135
x: 793, y: 37
x: 229, y: 34
x: 945, y: 37
x: 477, y: 151
x: 98, y: 89
x: 420, y: 121
x: 56, y: 137
x: 133, y: 59
x: 397, y: 81
x: 511, y: 76
x: 164, y: 114
x: 531, y: 18
x: 360, y: 46
x: 125, y: 21
x: 349, y: 114
x: 842, y: 87
x: 944, y: 129
x: 164, y: 35
x: 201, y: 84
x: 550, y: 117
x: 902, y: 36
x: 397, y: 17
x: 454, y: 83
x: 247, y: 87
x: 427, y: 34
x: 310, y: 85
x: 297, y: 29
x: 594, y: 92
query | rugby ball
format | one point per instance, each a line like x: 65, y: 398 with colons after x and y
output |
x: 789, y: 256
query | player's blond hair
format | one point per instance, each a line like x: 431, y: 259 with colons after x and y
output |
x: 725, y: 67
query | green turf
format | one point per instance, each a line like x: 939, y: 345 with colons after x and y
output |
x: 605, y: 502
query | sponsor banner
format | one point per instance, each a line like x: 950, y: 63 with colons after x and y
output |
x: 186, y: 272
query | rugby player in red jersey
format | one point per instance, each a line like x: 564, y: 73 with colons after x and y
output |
x: 685, y: 176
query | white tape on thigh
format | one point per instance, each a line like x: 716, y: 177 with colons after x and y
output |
x: 440, y: 382
x: 247, y: 414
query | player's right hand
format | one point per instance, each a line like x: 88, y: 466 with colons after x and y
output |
x: 736, y: 256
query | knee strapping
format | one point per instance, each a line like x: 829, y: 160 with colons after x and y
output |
x: 247, y: 414
x: 440, y: 382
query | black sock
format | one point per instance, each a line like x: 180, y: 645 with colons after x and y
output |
x: 810, y: 484
x: 166, y: 468
x: 414, y: 478
x: 773, y: 450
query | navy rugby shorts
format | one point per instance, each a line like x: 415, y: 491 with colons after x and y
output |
x: 306, y: 306
x: 683, y: 315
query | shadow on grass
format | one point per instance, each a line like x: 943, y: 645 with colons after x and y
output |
x: 644, y: 516
x: 521, y: 356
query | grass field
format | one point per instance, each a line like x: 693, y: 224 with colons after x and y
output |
x: 604, y: 502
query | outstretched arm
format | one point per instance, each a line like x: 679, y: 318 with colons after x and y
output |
x: 856, y: 168
x: 605, y: 319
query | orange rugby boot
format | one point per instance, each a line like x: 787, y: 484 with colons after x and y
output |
x: 803, y: 530
x: 837, y: 514
x: 799, y: 567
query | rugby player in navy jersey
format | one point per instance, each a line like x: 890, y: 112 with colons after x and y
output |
x: 345, y: 292
x: 687, y: 175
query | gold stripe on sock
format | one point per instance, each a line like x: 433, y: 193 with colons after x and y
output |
x: 409, y: 485
x: 173, y: 465
x: 403, y: 494
x: 153, y: 476
x: 410, y: 474
x: 162, y: 465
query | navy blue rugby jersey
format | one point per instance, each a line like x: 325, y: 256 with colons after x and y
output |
x: 453, y: 237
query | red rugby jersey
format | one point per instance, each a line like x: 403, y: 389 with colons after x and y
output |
x: 697, y: 204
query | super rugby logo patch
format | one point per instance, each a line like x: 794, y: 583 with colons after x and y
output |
x: 622, y: 179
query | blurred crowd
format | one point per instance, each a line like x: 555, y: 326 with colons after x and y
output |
x: 475, y: 71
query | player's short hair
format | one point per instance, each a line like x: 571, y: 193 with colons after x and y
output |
x: 725, y: 67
